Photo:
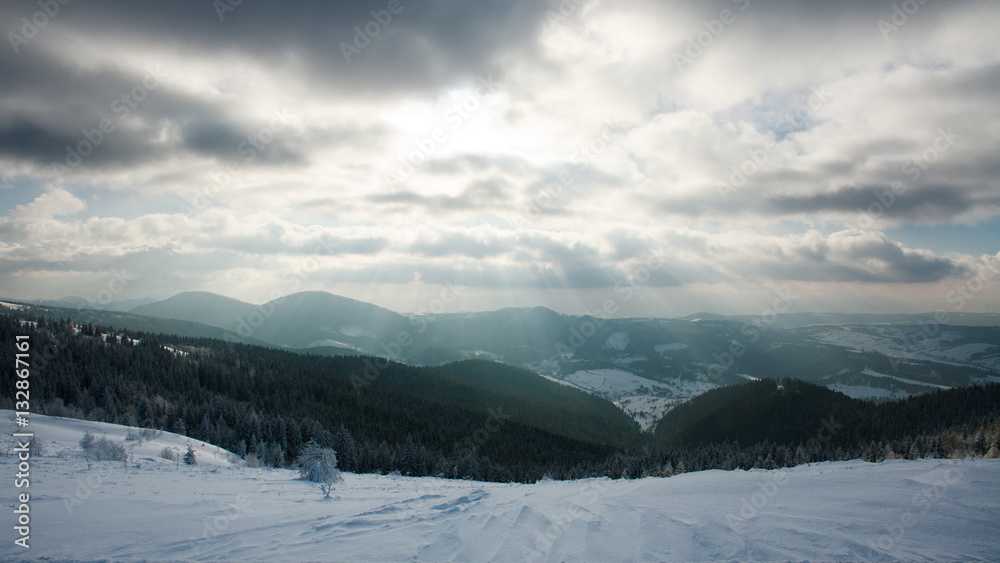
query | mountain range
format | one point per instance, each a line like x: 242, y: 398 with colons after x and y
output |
x: 645, y: 366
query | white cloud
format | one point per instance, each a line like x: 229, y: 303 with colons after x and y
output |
x: 48, y: 205
x: 482, y: 202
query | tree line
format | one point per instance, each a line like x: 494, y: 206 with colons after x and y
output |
x: 266, y: 405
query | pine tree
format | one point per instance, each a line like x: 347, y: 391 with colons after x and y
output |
x: 189, y: 457
x: 343, y: 443
x: 409, y: 460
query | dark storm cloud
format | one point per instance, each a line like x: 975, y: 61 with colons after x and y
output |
x: 228, y: 140
x: 50, y: 109
x: 850, y: 257
x: 891, y: 269
x: 26, y: 139
x: 428, y: 43
x: 933, y: 202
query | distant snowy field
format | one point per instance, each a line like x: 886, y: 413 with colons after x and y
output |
x: 899, y: 342
x: 927, y: 509
x: 645, y: 400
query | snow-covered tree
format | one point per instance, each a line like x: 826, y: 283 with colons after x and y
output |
x: 189, y: 457
x: 319, y: 465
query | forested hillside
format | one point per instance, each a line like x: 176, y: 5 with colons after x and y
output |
x: 473, y: 419
x: 381, y: 416
x: 795, y: 412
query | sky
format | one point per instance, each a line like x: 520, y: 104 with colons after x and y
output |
x: 629, y: 157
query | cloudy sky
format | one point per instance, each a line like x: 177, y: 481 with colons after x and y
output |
x: 659, y: 157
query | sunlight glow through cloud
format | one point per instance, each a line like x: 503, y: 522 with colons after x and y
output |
x: 799, y: 146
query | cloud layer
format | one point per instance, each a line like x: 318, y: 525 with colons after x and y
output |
x: 698, y: 153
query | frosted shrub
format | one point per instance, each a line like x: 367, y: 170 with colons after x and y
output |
x: 319, y: 465
x: 252, y: 461
x: 101, y: 449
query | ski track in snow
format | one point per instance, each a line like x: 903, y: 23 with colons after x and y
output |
x: 214, y: 510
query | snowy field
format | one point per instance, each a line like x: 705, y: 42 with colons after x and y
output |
x: 611, y: 382
x: 647, y: 409
x: 868, y: 392
x: 355, y: 331
x: 873, y: 373
x: 907, y: 343
x: 927, y: 509
x: 645, y: 400
x: 662, y: 349
x: 617, y: 341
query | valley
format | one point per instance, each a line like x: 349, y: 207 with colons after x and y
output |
x: 645, y: 366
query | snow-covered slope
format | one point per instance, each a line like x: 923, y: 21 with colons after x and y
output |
x: 927, y: 509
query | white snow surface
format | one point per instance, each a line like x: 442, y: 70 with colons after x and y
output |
x: 663, y: 348
x: 911, y: 344
x: 645, y: 400
x: 873, y: 373
x: 966, y: 351
x: 470, y: 354
x: 610, y: 381
x: 356, y: 331
x: 331, y: 343
x: 617, y: 341
x: 868, y: 392
x: 924, y: 509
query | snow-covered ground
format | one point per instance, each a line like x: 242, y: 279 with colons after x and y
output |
x: 868, y: 392
x: 645, y: 400
x: 873, y: 373
x: 355, y: 331
x: 965, y: 352
x: 330, y: 343
x: 614, y: 382
x: 926, y: 509
x: 480, y: 354
x: 647, y: 409
x: 662, y: 349
x: 617, y: 341
x: 910, y: 344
